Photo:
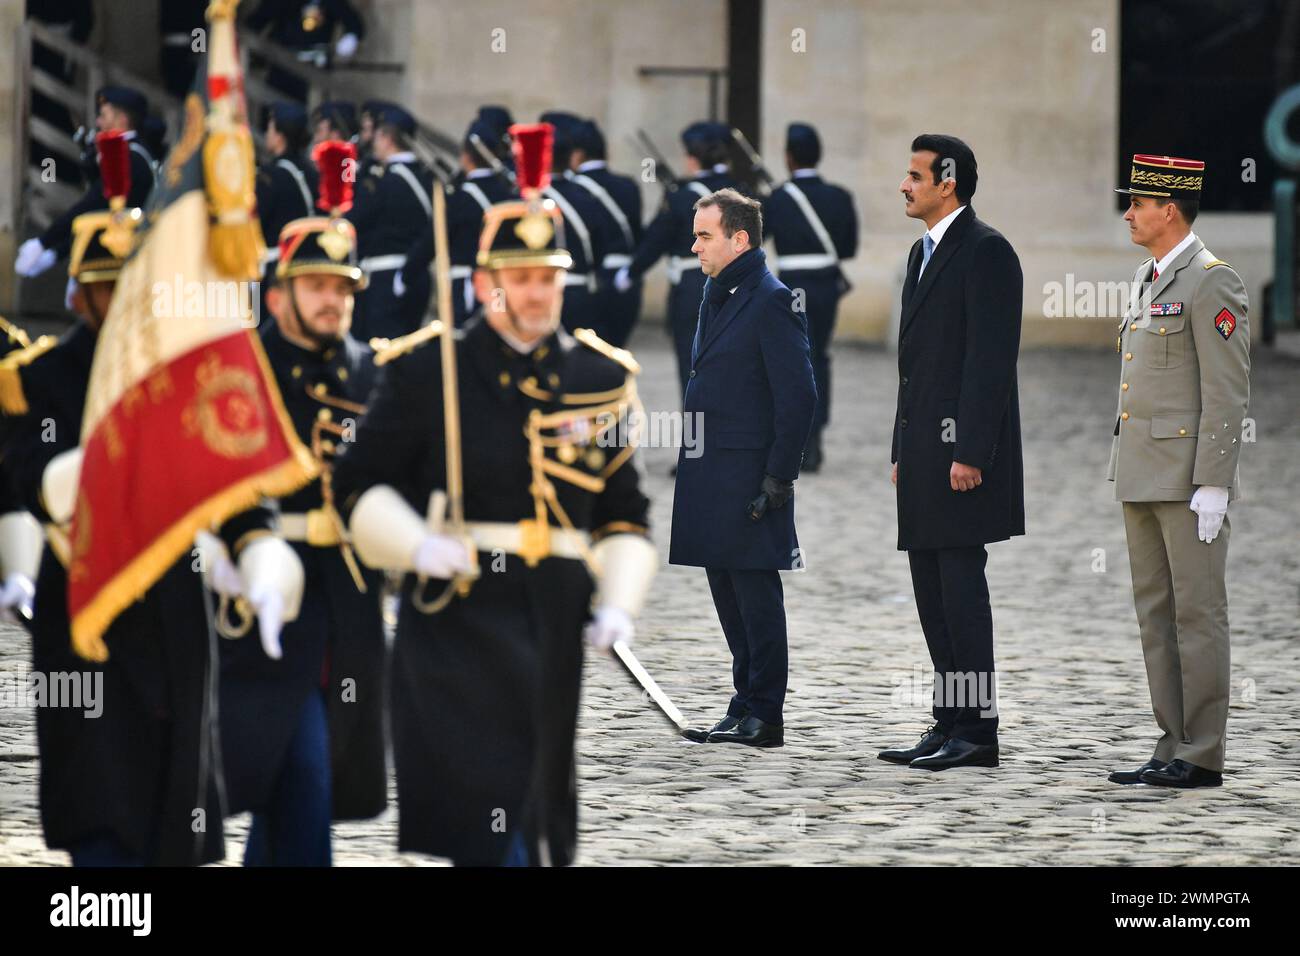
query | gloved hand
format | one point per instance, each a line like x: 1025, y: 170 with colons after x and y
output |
x: 33, y: 259
x: 69, y: 295
x: 442, y: 556
x: 268, y: 605
x: 622, y: 279
x: 607, y: 625
x: 16, y: 596
x: 773, y: 493
x: 346, y: 46
x: 399, y: 287
x: 1210, y: 503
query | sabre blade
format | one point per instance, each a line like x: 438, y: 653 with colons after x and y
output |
x: 642, y: 677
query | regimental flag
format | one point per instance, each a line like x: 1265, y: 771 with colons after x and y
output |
x: 184, y: 425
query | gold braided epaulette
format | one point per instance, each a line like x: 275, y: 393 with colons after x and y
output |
x: 594, y: 342
x: 1216, y: 262
x: 386, y: 350
x: 12, y: 399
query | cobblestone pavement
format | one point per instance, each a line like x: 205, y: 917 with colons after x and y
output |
x: 1072, y: 688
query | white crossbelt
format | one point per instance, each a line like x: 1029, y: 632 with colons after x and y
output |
x: 504, y: 536
x: 405, y: 172
x: 679, y: 264
x: 813, y: 260
x: 607, y: 201
x: 383, y: 263
x: 476, y: 194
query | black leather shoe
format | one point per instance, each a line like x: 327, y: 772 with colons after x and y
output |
x: 752, y: 732
x: 1127, y: 777
x: 959, y: 753
x: 700, y: 736
x: 1180, y: 773
x: 931, y: 741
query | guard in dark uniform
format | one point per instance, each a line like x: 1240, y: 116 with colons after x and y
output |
x: 585, y: 225
x: 620, y: 204
x: 306, y: 30
x: 286, y: 183
x: 487, y: 667
x: 670, y: 233
x: 139, y: 783
x: 478, y: 189
x: 303, y: 735
x: 120, y: 108
x: 814, y: 226
x: 391, y: 212
x: 21, y: 539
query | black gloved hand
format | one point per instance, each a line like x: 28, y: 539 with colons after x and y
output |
x: 773, y: 493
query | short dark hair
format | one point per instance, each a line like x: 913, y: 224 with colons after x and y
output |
x: 1188, y: 207
x: 949, y: 149
x: 738, y: 212
x: 394, y: 132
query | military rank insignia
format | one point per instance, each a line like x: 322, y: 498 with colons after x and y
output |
x: 1167, y: 308
x: 1226, y: 323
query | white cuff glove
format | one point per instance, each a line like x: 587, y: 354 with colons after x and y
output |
x: 441, y: 556
x: 33, y: 259
x: 609, y: 624
x: 622, y: 279
x: 17, y: 594
x: 220, y: 571
x: 399, y: 287
x: 1210, y: 503
x: 268, y: 605
x: 273, y: 579
x: 346, y: 46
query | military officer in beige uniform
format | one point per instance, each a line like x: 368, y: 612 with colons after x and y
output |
x: 1184, y: 388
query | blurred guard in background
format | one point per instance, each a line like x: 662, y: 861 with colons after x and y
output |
x: 814, y: 227
x: 620, y: 209
x: 670, y: 234
x: 476, y: 191
x: 392, y: 210
x: 286, y: 183
x: 120, y: 109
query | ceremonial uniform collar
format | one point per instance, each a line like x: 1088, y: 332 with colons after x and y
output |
x: 404, y: 157
x: 806, y: 173
x: 1164, y: 264
x: 592, y: 164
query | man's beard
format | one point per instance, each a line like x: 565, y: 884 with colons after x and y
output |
x: 322, y: 339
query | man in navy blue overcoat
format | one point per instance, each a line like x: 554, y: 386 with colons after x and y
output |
x: 751, y: 397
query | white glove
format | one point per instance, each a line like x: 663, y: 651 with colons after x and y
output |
x: 441, y: 556
x: 268, y: 604
x: 1210, y: 503
x: 399, y: 287
x: 346, y: 46
x: 622, y: 279
x: 33, y: 259
x: 218, y: 570
x: 609, y: 624
x: 16, y: 596
x: 69, y: 295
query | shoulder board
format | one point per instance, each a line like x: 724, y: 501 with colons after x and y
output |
x: 14, y: 333
x: 1216, y: 262
x: 12, y: 399
x: 388, y: 349
x: 594, y: 342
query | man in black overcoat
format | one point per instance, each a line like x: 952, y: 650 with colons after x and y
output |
x: 956, y: 445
